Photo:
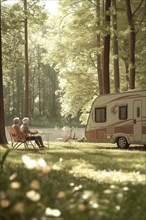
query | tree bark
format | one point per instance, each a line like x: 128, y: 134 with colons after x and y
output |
x: 3, y: 139
x: 115, y: 49
x: 131, y: 44
x: 26, y: 95
x: 99, y: 63
x: 106, y: 53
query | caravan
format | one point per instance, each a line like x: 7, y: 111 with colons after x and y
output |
x: 118, y: 118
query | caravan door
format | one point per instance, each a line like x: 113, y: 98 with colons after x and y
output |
x: 137, y: 106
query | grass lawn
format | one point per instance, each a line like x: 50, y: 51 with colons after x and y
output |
x: 73, y: 181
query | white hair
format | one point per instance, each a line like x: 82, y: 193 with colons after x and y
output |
x: 25, y: 120
x: 16, y: 120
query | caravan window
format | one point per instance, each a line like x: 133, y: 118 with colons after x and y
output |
x: 100, y: 114
x: 123, y: 112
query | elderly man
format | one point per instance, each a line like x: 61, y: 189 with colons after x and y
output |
x: 31, y: 135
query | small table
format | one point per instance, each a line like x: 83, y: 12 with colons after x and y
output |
x: 47, y: 134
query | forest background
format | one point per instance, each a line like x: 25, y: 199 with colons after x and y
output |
x: 54, y: 65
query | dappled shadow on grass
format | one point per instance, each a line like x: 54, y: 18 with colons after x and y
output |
x: 26, y: 150
x: 134, y: 148
x: 89, y: 160
x: 86, y: 145
x: 139, y: 148
x: 110, y: 163
x: 131, y: 147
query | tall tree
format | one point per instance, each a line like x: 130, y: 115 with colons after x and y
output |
x: 106, y: 53
x: 115, y: 48
x: 131, y: 44
x: 26, y: 96
x: 99, y: 56
x: 3, y: 139
x: 132, y: 40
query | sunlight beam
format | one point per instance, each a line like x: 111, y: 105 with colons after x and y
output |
x: 50, y: 5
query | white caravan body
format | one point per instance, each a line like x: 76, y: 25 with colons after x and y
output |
x: 118, y: 118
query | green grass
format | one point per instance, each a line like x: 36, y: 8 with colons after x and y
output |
x: 73, y: 181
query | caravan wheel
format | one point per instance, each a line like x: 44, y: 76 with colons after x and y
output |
x: 122, y: 143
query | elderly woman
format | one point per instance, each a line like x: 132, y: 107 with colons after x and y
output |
x: 16, y: 125
x: 31, y: 135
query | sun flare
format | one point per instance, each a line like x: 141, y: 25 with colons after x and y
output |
x: 50, y: 5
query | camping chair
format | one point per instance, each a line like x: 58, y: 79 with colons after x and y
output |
x: 68, y: 136
x: 18, y: 138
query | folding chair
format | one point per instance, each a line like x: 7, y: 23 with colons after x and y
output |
x: 18, y: 138
x: 68, y: 136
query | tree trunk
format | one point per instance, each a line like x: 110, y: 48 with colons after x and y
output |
x: 3, y: 139
x: 39, y: 80
x: 26, y: 95
x: 54, y: 80
x: 106, y: 53
x: 115, y: 49
x: 99, y: 68
x: 19, y: 92
x: 131, y: 44
x: 126, y: 62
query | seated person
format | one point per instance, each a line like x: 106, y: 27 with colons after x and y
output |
x: 31, y: 135
x: 19, y: 133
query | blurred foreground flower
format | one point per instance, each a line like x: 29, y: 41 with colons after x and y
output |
x: 118, y: 208
x: 71, y: 184
x: 61, y: 159
x: 33, y: 195
x: 39, y: 164
x: 77, y: 188
x: 52, y: 212
x: 61, y: 195
x: 87, y: 194
x: 30, y: 164
x: 82, y: 207
x: 4, y: 203
x: 13, y: 176
x: 15, y: 185
x: 35, y: 184
x: 19, y: 207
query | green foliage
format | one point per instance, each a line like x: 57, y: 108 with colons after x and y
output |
x: 42, y: 78
x: 81, y: 181
x: 63, y: 50
x: 74, y: 51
